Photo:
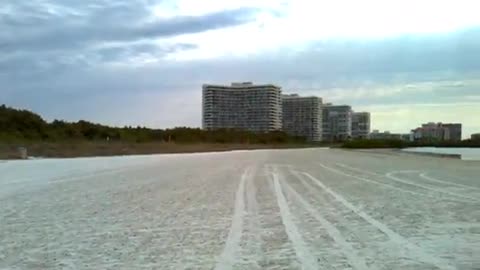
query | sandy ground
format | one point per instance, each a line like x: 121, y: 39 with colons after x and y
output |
x: 264, y: 209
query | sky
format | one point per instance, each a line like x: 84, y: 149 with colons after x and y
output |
x: 143, y: 62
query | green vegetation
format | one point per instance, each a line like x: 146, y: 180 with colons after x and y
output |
x: 364, y: 144
x: 82, y: 138
x: 464, y: 143
x: 21, y: 126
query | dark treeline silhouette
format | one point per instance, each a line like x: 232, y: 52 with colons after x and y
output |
x: 389, y: 143
x: 25, y: 126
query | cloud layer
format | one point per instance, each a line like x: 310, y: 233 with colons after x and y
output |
x: 143, y: 62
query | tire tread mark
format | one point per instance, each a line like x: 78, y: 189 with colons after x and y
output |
x: 302, y: 251
x: 232, y: 244
x: 415, y: 251
x: 355, y: 261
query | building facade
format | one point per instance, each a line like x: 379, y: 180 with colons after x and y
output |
x: 337, y: 122
x: 245, y: 106
x: 438, y: 132
x: 360, y: 125
x: 455, y: 131
x: 387, y: 135
x: 302, y: 116
x: 430, y: 132
x: 475, y: 137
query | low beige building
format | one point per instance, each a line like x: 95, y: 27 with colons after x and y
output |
x: 438, y: 132
x: 387, y: 135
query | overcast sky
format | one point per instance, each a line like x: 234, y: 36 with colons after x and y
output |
x: 142, y: 62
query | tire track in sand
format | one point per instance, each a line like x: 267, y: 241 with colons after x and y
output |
x: 254, y: 237
x: 369, y: 180
x: 414, y: 250
x: 392, y: 176
x: 380, y: 183
x: 305, y: 257
x: 432, y: 179
x: 232, y: 245
x: 355, y: 261
x: 422, y: 175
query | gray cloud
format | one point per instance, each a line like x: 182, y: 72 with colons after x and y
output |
x: 42, y: 37
x: 71, y: 59
x: 345, y: 63
x: 323, y: 65
x: 119, y: 53
x: 411, y: 57
x: 115, y: 22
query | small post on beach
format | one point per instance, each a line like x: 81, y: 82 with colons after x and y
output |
x: 22, y: 153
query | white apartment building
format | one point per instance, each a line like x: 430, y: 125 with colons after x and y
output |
x: 360, y: 125
x: 246, y: 106
x: 337, y: 122
x: 302, y: 116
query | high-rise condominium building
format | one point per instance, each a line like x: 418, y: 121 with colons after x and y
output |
x: 360, y: 125
x: 337, y: 122
x: 247, y: 106
x: 302, y: 116
x: 455, y: 131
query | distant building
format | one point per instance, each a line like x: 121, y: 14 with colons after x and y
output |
x: 438, y: 132
x: 475, y: 137
x: 431, y: 132
x: 247, y: 106
x: 360, y: 125
x: 386, y: 135
x: 337, y: 122
x: 262, y: 108
x: 302, y: 116
x: 454, y: 131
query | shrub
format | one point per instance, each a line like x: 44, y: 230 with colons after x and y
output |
x: 365, y: 144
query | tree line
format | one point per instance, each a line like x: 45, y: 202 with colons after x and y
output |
x: 25, y: 126
x: 394, y: 143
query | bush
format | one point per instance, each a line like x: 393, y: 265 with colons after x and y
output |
x: 25, y: 126
x: 464, y: 143
x: 365, y: 144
